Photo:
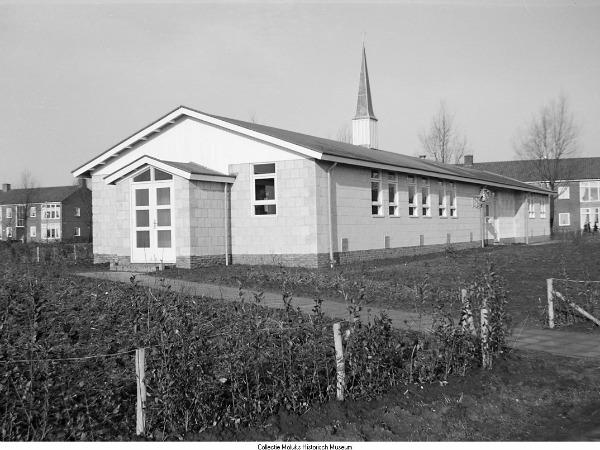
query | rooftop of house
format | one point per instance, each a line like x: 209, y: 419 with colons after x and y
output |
x: 528, y: 170
x: 324, y: 149
x: 37, y: 195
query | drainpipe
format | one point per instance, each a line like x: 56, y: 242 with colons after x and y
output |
x: 330, y: 213
x: 226, y: 207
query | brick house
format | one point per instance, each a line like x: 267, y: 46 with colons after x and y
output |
x: 193, y: 188
x: 577, y: 202
x: 47, y: 214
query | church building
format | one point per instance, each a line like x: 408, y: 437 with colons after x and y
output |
x: 193, y: 189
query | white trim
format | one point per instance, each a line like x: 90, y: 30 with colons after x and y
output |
x: 150, y: 161
x: 183, y: 111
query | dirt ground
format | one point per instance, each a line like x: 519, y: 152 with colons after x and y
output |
x: 526, y: 397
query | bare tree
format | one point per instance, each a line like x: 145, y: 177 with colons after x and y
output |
x: 344, y: 134
x: 28, y: 183
x: 443, y: 142
x: 550, y: 137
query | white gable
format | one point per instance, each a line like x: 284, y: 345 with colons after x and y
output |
x: 202, y: 143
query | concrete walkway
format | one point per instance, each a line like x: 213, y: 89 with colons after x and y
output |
x: 573, y: 344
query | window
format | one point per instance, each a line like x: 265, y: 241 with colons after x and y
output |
x: 51, y: 231
x: 413, y: 210
x: 376, y: 194
x: 425, y: 205
x: 9, y: 232
x: 393, y: 195
x: 77, y: 231
x: 77, y: 212
x: 531, y: 207
x: 264, y: 190
x: 563, y: 193
x: 453, y: 201
x: 51, y: 211
x: 152, y: 174
x: 9, y: 213
x: 442, y: 204
x: 543, y: 209
x: 32, y: 211
x: 564, y: 219
x: 589, y: 191
x: 589, y: 218
x: 32, y: 231
x: 21, y: 215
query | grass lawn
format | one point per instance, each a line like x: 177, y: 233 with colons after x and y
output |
x: 391, y: 283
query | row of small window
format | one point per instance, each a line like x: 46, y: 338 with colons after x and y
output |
x: 531, y: 202
x: 589, y: 191
x: 48, y: 232
x: 589, y: 216
x: 419, y: 196
x: 48, y: 212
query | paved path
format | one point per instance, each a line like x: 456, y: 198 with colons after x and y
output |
x: 581, y: 345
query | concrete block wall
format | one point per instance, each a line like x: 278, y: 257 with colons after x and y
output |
x: 293, y: 230
x: 111, y: 216
x: 354, y: 221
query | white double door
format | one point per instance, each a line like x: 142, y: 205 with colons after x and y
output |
x: 153, y: 239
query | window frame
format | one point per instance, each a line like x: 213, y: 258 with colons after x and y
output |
x: 32, y: 231
x: 531, y: 207
x: 376, y: 178
x: 263, y: 176
x: 592, y: 186
x: 393, y: 203
x: 542, y: 208
x: 77, y: 231
x: 413, y: 207
x: 77, y: 211
x: 453, y: 201
x: 9, y: 232
x: 425, y: 205
x: 560, y: 216
x: 9, y: 212
x: 442, y: 200
x: 32, y: 211
x: 564, y: 193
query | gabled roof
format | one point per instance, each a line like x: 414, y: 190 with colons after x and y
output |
x: 313, y: 147
x: 526, y: 170
x: 364, y: 104
x: 189, y: 170
x: 37, y: 195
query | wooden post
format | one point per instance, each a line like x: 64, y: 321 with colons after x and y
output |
x: 550, y: 302
x: 140, y: 376
x: 37, y: 254
x: 467, y: 315
x: 75, y: 252
x: 339, y: 359
x: 485, y: 354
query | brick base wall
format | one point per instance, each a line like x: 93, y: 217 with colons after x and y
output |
x: 311, y: 260
x: 191, y: 262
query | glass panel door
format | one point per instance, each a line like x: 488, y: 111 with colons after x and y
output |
x: 152, y: 222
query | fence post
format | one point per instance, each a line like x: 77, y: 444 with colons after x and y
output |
x: 140, y: 376
x: 550, y: 289
x: 339, y: 360
x: 467, y: 314
x: 37, y: 254
x: 485, y: 354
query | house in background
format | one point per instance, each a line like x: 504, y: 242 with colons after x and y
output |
x: 46, y: 214
x: 577, y: 204
x: 194, y: 188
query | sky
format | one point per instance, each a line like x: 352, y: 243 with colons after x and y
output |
x: 78, y: 77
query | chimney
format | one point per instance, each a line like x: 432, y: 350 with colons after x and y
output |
x: 81, y: 182
x: 468, y: 161
x: 422, y: 156
x: 5, y: 187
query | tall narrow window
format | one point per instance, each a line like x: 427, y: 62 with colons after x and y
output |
x: 531, y: 208
x: 413, y: 210
x: 425, y: 204
x: 393, y: 195
x: 453, y: 201
x: 264, y: 190
x: 9, y: 232
x: 585, y: 217
x: 376, y: 194
x: 442, y: 205
x: 32, y: 231
x: 77, y: 231
x: 32, y: 211
x: 77, y: 211
x: 564, y: 219
x: 9, y: 213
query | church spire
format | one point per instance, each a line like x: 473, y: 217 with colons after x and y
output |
x: 364, y: 124
x: 364, y: 104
